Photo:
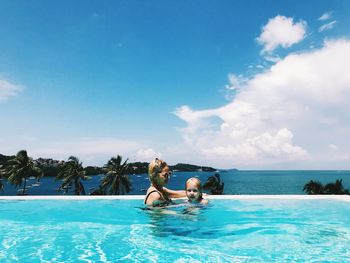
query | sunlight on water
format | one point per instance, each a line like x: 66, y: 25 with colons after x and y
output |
x: 223, y: 231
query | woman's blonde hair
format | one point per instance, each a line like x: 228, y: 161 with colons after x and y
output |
x: 155, y: 168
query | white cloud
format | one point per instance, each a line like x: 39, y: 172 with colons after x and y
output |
x: 89, y: 150
x: 91, y: 146
x: 337, y: 154
x: 325, y: 16
x: 281, y: 115
x: 147, y: 154
x: 327, y: 26
x: 263, y: 145
x: 272, y: 58
x: 8, y: 89
x: 235, y: 82
x: 333, y: 147
x: 281, y: 31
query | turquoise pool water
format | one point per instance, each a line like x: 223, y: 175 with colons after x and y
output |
x: 223, y: 231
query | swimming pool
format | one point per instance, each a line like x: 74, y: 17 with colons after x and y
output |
x: 242, y: 229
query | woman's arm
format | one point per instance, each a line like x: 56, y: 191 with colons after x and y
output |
x: 174, y: 193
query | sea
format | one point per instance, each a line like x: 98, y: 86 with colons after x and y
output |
x: 237, y: 182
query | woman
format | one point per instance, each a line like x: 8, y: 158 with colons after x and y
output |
x: 159, y: 174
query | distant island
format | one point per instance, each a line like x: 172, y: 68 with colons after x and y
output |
x: 50, y: 167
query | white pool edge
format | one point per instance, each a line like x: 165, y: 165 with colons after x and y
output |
x: 345, y: 198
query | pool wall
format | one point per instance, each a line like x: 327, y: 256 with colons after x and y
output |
x: 345, y: 198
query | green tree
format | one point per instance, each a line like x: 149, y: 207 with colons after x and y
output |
x: 116, y: 180
x: 1, y: 177
x: 313, y: 188
x: 336, y: 188
x: 214, y: 185
x: 72, y: 173
x: 19, y: 168
x: 316, y: 188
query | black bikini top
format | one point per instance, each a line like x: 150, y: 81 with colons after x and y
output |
x: 162, y: 203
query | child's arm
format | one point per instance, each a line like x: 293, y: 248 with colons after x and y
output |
x: 175, y: 193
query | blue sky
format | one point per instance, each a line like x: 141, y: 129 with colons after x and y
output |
x: 100, y: 78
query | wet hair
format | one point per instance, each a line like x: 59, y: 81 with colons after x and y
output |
x: 155, y: 168
x: 197, y: 183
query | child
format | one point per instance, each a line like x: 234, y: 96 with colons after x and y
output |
x: 194, y: 191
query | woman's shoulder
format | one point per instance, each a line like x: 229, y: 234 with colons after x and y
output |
x: 152, y: 195
x: 150, y: 189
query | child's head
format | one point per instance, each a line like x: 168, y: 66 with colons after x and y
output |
x: 193, y: 189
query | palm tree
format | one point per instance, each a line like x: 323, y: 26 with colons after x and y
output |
x: 316, y: 188
x: 19, y: 168
x: 72, y: 172
x: 313, y: 188
x: 116, y: 181
x: 336, y: 188
x: 1, y: 178
x: 214, y: 185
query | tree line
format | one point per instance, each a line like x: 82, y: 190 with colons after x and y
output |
x: 316, y: 188
x: 19, y: 168
x: 71, y: 173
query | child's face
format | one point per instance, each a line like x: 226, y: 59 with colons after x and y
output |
x: 192, y: 191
